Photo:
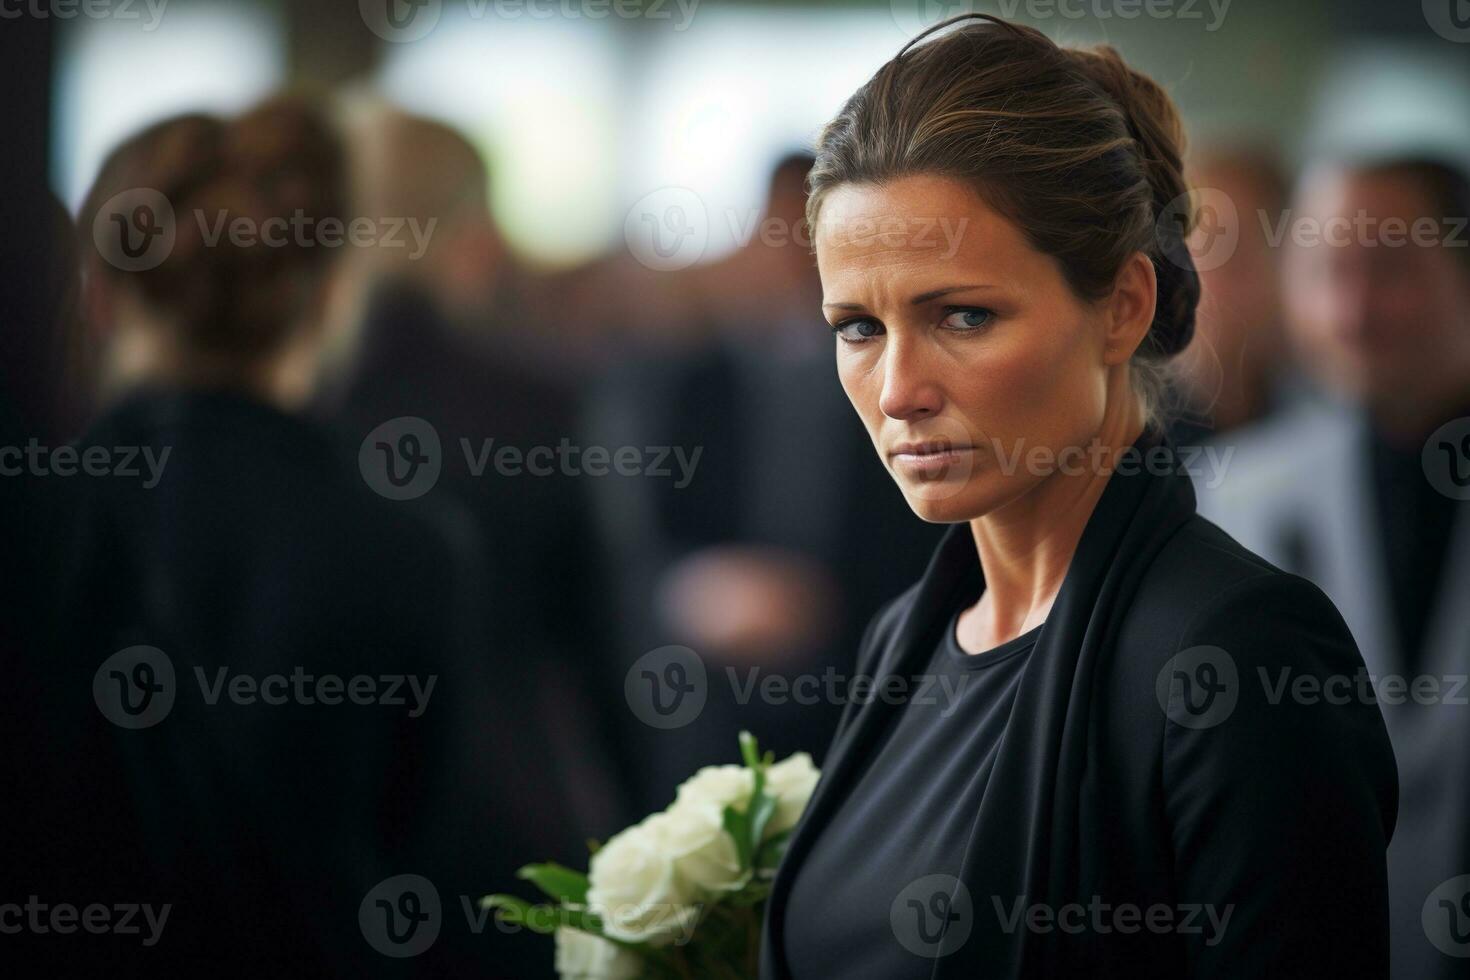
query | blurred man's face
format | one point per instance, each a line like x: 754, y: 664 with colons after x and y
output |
x: 1376, y: 314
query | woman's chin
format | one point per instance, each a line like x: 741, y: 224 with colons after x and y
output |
x: 943, y: 502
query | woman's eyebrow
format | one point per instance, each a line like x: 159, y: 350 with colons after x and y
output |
x: 934, y: 294
x: 918, y: 300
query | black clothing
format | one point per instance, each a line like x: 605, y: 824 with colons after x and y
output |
x: 910, y: 813
x: 1152, y: 758
x: 257, y: 550
x: 1414, y: 521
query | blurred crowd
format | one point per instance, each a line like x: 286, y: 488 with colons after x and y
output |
x: 335, y: 497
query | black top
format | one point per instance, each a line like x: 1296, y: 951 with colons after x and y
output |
x: 907, y: 822
x: 1154, y: 771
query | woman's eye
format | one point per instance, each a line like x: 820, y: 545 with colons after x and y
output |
x: 968, y: 318
x: 857, y: 331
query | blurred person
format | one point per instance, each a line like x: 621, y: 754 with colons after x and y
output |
x: 1089, y: 763
x: 432, y: 342
x: 250, y: 561
x: 1235, y: 371
x: 764, y: 560
x: 1359, y: 491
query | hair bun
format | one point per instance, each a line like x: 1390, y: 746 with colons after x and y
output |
x: 1156, y: 128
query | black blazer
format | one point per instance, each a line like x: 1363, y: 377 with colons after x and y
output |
x: 1121, y: 778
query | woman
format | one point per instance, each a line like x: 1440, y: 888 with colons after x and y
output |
x: 1111, y: 763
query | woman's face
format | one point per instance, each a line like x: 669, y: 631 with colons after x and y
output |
x: 963, y: 349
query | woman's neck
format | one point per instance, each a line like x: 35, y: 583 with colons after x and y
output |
x: 1026, y: 546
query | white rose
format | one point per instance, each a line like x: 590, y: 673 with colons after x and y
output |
x: 791, y: 781
x: 717, y: 787
x: 703, y: 852
x: 634, y: 889
x: 583, y: 956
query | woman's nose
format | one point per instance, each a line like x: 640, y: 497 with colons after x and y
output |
x: 910, y: 389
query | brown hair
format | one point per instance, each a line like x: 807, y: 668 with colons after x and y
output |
x: 1080, y: 151
x: 280, y: 160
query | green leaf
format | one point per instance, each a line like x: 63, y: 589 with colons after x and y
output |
x: 770, y: 852
x: 541, y: 918
x: 737, y: 825
x: 762, y: 809
x: 749, y: 751
x: 561, y: 883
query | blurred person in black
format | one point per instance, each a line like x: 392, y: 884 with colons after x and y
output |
x: 1364, y: 491
x: 767, y: 559
x: 251, y: 550
x: 434, y: 334
x: 1236, y: 371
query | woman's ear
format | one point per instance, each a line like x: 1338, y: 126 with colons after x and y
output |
x: 1130, y: 308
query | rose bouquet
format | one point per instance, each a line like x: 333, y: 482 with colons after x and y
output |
x: 680, y: 894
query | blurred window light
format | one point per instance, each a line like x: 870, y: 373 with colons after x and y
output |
x: 1378, y: 99
x: 540, y: 98
x: 116, y: 75
x: 721, y: 102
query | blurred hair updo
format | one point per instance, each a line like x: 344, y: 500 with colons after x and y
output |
x: 279, y: 169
